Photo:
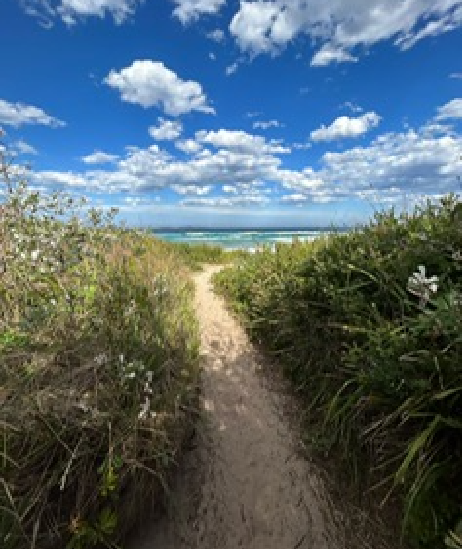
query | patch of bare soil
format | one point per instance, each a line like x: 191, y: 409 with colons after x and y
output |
x: 245, y: 483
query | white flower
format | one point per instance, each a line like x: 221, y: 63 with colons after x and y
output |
x: 101, y: 359
x: 144, y: 410
x: 53, y: 301
x: 418, y: 284
x: 457, y: 256
x: 34, y: 255
x: 121, y: 358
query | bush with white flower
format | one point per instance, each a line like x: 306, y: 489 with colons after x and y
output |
x: 96, y: 325
x: 368, y: 325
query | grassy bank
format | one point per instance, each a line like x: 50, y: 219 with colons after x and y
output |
x: 368, y: 326
x: 98, y: 372
x: 196, y: 255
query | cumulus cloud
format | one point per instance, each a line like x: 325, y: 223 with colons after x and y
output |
x: 166, y: 130
x: 267, y: 26
x: 331, y: 54
x: 119, y: 10
x: 239, y: 140
x: 453, y: 109
x: 416, y: 162
x: 188, y: 146
x: 345, y: 126
x: 99, y: 157
x: 264, y: 125
x: 151, y: 84
x: 425, y: 161
x: 70, y: 11
x: 190, y: 10
x: 18, y: 114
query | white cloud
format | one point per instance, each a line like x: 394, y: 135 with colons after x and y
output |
x: 190, y: 10
x: 18, y: 114
x: 99, y: 157
x: 267, y: 26
x: 294, y: 198
x: 216, y: 35
x: 212, y: 56
x: 24, y: 148
x: 252, y: 24
x: 247, y: 168
x: 231, y: 69
x: 302, y: 146
x: 331, y: 54
x: 70, y: 11
x: 64, y: 179
x: 239, y: 140
x: 306, y: 180
x: 423, y: 161
x: 120, y: 10
x: 226, y: 202
x: 352, y: 107
x: 453, y: 109
x: 188, y: 146
x: 455, y: 75
x: 167, y: 130
x: 197, y: 190
x: 264, y: 125
x: 151, y: 84
x: 345, y: 126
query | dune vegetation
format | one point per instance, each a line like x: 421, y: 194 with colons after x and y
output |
x: 368, y: 326
x: 98, y: 371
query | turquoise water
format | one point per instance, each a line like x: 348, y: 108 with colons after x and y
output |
x: 238, y: 239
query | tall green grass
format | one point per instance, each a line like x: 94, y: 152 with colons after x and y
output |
x: 368, y: 326
x: 98, y: 372
x: 196, y: 255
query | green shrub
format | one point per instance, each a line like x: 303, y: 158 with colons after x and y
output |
x: 368, y: 328
x: 98, y: 373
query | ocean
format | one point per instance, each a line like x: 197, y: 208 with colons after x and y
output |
x: 238, y: 239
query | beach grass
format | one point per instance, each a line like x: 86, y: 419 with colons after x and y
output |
x: 368, y: 327
x: 98, y: 372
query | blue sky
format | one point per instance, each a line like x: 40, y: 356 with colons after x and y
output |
x: 215, y: 112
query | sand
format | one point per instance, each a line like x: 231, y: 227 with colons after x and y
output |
x: 244, y: 483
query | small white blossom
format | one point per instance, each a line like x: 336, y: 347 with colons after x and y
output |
x: 34, y: 255
x: 144, y: 410
x: 101, y: 359
x: 422, y: 286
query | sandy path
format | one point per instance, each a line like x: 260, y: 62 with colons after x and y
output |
x: 244, y: 485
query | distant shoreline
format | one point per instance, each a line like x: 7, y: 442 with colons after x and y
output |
x: 155, y: 230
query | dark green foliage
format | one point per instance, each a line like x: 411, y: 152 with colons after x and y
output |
x: 379, y: 366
